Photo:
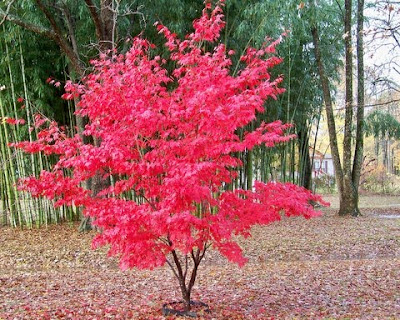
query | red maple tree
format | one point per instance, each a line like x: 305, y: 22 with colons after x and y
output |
x: 167, y: 141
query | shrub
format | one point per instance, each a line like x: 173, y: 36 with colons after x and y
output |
x: 169, y: 141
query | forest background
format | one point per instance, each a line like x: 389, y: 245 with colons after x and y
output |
x: 46, y: 43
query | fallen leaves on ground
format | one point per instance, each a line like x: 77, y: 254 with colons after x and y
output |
x: 323, y: 268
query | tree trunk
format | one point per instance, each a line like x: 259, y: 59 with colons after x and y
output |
x: 108, y: 20
x: 349, y: 197
x: 180, y: 270
x: 329, y: 111
x: 345, y: 177
x: 305, y: 169
x: 359, y: 150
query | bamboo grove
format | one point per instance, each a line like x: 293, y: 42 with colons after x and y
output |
x: 25, y: 93
x: 19, y: 208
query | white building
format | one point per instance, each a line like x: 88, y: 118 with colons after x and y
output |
x: 323, y: 165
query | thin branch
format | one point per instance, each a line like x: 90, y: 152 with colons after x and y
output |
x: 149, y: 202
x: 340, y: 8
x: 186, y: 268
x: 173, y: 269
x: 61, y: 41
x: 165, y: 241
x: 373, y: 105
x: 70, y: 27
x: 206, y: 246
x: 50, y: 18
x: 114, y: 24
x: 382, y: 103
x: 6, y: 12
x: 196, y: 257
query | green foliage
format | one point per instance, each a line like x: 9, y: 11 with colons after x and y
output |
x: 39, y: 65
x: 249, y: 23
x: 380, y: 124
x: 257, y: 19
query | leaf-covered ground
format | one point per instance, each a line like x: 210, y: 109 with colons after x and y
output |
x: 325, y: 268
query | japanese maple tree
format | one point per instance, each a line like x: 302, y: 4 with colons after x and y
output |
x: 167, y: 141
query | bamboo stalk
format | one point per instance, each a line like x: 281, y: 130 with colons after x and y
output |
x: 26, y: 199
x: 10, y: 164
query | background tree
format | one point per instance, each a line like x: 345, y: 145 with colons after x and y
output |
x: 385, y: 129
x: 360, y: 131
x: 23, y: 70
x: 383, y: 43
x: 302, y: 100
x: 347, y: 170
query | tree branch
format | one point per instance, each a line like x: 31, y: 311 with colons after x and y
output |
x: 372, y: 105
x: 55, y: 34
x: 196, y: 259
x: 70, y: 27
x: 186, y: 267
x: 28, y: 26
x: 50, y: 18
x: 173, y: 269
x: 96, y: 19
x: 6, y: 12
x: 206, y: 246
x: 152, y: 205
x: 340, y: 8
x: 61, y: 41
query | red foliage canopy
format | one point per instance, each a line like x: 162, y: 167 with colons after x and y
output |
x: 169, y: 140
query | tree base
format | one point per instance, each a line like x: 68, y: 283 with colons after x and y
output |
x: 354, y: 212
x: 177, y: 309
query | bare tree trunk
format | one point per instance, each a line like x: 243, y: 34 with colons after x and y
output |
x: 359, y: 150
x: 104, y: 22
x: 108, y: 18
x: 329, y: 111
x: 348, y: 175
x: 348, y: 198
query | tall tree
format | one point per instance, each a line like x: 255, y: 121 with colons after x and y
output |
x: 359, y: 149
x: 347, y: 172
